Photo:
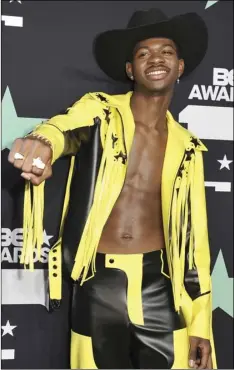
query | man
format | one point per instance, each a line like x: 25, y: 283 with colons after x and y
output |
x: 133, y: 231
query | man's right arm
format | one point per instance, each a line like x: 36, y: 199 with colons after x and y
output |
x: 60, y: 135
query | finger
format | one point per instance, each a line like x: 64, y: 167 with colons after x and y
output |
x: 18, y: 163
x: 43, y: 152
x: 37, y: 180
x: 28, y: 166
x: 15, y: 148
x: 204, y: 360
x: 198, y: 362
x: 39, y: 171
x: 26, y: 176
x: 192, y: 354
x: 26, y: 147
x: 192, y: 364
x: 209, y: 363
x: 19, y: 148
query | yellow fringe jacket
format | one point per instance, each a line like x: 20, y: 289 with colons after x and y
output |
x: 183, y: 202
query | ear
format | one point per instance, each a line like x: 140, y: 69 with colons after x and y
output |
x: 181, y: 67
x: 128, y: 68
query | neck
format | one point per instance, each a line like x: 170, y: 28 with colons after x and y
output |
x: 150, y: 110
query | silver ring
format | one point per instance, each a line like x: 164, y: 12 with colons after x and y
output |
x: 18, y: 156
x: 37, y: 162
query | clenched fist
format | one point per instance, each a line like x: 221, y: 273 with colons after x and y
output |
x: 32, y: 148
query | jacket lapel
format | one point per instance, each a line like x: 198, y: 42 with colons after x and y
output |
x: 176, y: 144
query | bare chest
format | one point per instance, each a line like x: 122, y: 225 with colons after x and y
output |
x: 135, y: 223
x: 146, y: 159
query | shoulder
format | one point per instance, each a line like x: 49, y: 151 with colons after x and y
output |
x: 96, y: 97
x: 186, y: 135
x: 194, y: 139
x: 89, y: 103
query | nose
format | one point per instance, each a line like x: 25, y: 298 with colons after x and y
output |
x: 156, y: 58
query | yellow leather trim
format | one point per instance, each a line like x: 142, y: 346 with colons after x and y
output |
x: 181, y: 349
x: 202, y: 325
x: 55, y: 271
x: 55, y: 254
x: 131, y: 264
x: 81, y: 356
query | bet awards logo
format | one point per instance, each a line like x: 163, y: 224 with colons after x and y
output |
x: 211, y: 122
x: 222, y: 88
x: 15, y: 238
x: 22, y: 286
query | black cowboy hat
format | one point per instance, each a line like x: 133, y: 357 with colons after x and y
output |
x: 189, y: 32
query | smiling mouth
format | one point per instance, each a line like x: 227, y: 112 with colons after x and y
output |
x: 156, y: 75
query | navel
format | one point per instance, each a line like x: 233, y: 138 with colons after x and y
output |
x: 126, y: 236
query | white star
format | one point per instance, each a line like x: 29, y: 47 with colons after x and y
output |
x: 224, y: 162
x: 46, y: 238
x: 8, y: 329
x: 18, y: 1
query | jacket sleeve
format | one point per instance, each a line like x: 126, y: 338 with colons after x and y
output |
x: 197, y: 281
x: 64, y: 132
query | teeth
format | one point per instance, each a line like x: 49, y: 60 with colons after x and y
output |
x: 156, y: 72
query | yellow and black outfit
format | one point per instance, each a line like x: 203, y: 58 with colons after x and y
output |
x: 100, y: 128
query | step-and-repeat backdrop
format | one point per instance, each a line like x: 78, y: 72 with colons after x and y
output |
x: 47, y: 64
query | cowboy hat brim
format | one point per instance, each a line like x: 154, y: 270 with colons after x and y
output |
x: 189, y: 32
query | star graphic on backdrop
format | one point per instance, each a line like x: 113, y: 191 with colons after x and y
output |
x: 18, y: 1
x: 46, y: 238
x: 224, y: 162
x: 8, y: 329
x: 12, y: 125
x: 222, y: 296
x: 210, y: 3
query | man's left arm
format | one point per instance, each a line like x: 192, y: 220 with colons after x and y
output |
x: 197, y: 280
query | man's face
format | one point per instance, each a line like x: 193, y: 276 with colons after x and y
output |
x: 155, y: 65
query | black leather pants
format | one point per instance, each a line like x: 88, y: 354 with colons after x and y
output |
x: 124, y: 316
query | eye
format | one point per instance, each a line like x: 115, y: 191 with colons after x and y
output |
x: 168, y: 52
x: 142, y: 54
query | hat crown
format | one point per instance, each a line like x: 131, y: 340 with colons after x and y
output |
x: 145, y: 17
